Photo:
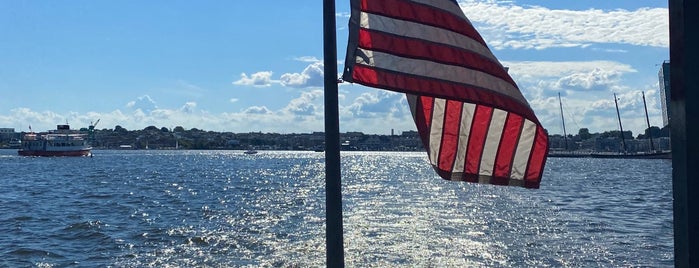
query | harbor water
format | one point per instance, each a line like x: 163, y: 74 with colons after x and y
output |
x: 228, y: 209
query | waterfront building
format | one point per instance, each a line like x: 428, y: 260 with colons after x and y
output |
x: 664, y: 84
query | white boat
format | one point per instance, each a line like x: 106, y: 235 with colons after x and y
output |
x: 60, y: 142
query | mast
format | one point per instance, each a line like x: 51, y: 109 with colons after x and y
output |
x: 623, y: 142
x: 650, y: 136
x: 565, y: 136
x: 334, y: 247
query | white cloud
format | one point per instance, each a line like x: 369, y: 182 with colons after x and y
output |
x: 506, y: 25
x: 258, y: 79
x: 307, y: 59
x: 596, y: 79
x: 377, y: 103
x: 312, y: 76
x: 144, y: 103
x: 304, y: 105
x: 532, y: 70
x: 188, y: 107
x: 233, y: 100
x: 257, y: 110
x: 537, y: 78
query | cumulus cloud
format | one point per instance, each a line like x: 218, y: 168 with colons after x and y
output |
x: 377, y: 103
x: 539, y: 80
x: 257, y: 110
x: 587, y: 90
x: 507, y: 25
x: 258, y: 79
x: 312, y: 76
x: 304, y: 113
x: 305, y: 104
x: 596, y: 79
x: 307, y: 59
x: 188, y: 107
x: 144, y: 103
x: 534, y: 70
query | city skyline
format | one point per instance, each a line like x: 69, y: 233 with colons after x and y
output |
x: 241, y: 67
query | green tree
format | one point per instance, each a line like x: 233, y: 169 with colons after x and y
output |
x: 584, y: 134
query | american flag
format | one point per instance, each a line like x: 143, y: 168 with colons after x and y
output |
x: 472, y: 118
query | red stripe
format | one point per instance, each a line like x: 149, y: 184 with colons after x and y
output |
x: 406, y: 10
x: 441, y: 89
x: 450, y: 135
x: 537, y: 157
x: 420, y: 49
x: 476, y: 141
x: 427, y: 88
x: 423, y: 118
x: 508, y: 145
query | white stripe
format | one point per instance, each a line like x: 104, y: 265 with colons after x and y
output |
x: 436, y: 128
x: 424, y: 32
x: 492, y: 142
x: 435, y: 70
x: 465, y: 129
x: 524, y: 148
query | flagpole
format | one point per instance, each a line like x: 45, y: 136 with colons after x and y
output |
x: 333, y: 195
x: 684, y: 96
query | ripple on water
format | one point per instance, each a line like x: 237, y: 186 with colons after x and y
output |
x: 224, y: 208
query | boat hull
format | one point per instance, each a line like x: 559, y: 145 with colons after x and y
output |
x: 662, y: 155
x: 54, y: 153
x: 657, y: 155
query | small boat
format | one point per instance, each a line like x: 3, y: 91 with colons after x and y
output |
x: 60, y: 142
x: 251, y: 151
x: 637, y: 155
x: 14, y: 144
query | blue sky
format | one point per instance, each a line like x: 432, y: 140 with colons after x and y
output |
x: 244, y: 66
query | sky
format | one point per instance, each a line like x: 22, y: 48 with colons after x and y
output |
x: 249, y: 66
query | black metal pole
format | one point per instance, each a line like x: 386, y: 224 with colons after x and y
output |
x: 333, y: 194
x: 623, y: 141
x: 563, y: 121
x: 650, y: 135
x: 684, y: 105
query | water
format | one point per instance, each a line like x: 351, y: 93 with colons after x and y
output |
x: 227, y: 209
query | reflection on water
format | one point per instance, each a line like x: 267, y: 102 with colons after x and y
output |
x: 225, y: 208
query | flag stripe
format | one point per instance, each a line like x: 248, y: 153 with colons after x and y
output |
x: 524, y: 148
x: 419, y: 49
x: 450, y: 134
x: 538, y: 155
x: 436, y: 126
x: 508, y: 145
x: 435, y: 70
x: 422, y: 14
x: 472, y: 118
x: 408, y: 29
x: 465, y: 128
x: 442, y: 89
x: 446, y: 6
x: 490, y: 147
x: 479, y: 130
x: 421, y: 109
